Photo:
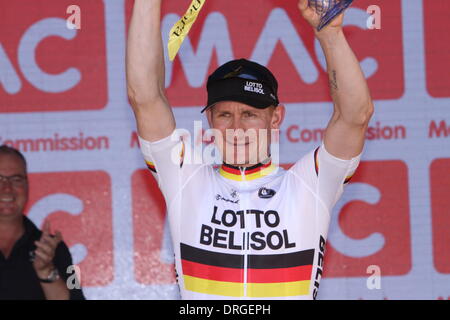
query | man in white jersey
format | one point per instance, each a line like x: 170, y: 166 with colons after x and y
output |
x: 247, y: 229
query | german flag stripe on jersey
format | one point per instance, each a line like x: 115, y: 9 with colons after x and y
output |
x: 316, y: 161
x: 275, y: 275
x: 182, y: 154
x: 252, y: 173
x: 316, y: 166
x: 151, y: 166
x: 347, y: 179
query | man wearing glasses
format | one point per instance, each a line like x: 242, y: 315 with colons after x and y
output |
x: 247, y: 229
x: 33, y: 264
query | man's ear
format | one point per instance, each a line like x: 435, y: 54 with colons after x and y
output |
x: 278, y: 115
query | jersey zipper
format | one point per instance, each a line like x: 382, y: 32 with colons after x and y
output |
x: 244, y: 204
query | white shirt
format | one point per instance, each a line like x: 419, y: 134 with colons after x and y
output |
x: 255, y: 233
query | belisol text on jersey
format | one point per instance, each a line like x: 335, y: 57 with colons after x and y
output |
x: 257, y: 240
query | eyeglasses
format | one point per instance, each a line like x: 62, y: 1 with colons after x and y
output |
x: 15, y: 181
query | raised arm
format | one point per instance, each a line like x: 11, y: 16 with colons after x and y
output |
x: 145, y: 72
x: 345, y: 134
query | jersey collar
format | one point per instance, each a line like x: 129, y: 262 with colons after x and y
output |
x: 247, y: 173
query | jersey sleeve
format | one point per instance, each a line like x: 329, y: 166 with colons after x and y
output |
x: 325, y: 174
x: 166, y: 161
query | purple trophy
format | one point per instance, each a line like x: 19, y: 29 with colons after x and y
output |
x: 328, y: 9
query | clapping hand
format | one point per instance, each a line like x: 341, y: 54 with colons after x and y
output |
x: 45, y: 251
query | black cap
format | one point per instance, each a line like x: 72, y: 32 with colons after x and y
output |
x: 243, y: 81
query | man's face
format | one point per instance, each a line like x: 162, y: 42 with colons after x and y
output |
x: 245, y: 131
x: 14, y: 190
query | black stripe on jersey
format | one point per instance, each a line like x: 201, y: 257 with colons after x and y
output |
x: 316, y: 161
x: 224, y: 260
x: 285, y: 260
x: 151, y: 168
x: 267, y: 261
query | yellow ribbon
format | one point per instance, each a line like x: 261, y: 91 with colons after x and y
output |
x: 180, y: 29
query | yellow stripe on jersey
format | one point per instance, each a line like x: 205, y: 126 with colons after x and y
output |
x: 222, y: 288
x: 278, y: 289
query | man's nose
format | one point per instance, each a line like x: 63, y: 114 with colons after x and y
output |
x: 237, y: 130
x: 236, y: 123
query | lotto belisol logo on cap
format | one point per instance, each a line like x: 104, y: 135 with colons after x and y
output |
x: 243, y: 81
x: 254, y: 87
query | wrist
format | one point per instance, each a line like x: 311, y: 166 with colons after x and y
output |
x: 329, y: 34
x: 48, y: 274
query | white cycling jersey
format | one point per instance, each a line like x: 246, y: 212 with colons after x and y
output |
x: 254, y: 233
